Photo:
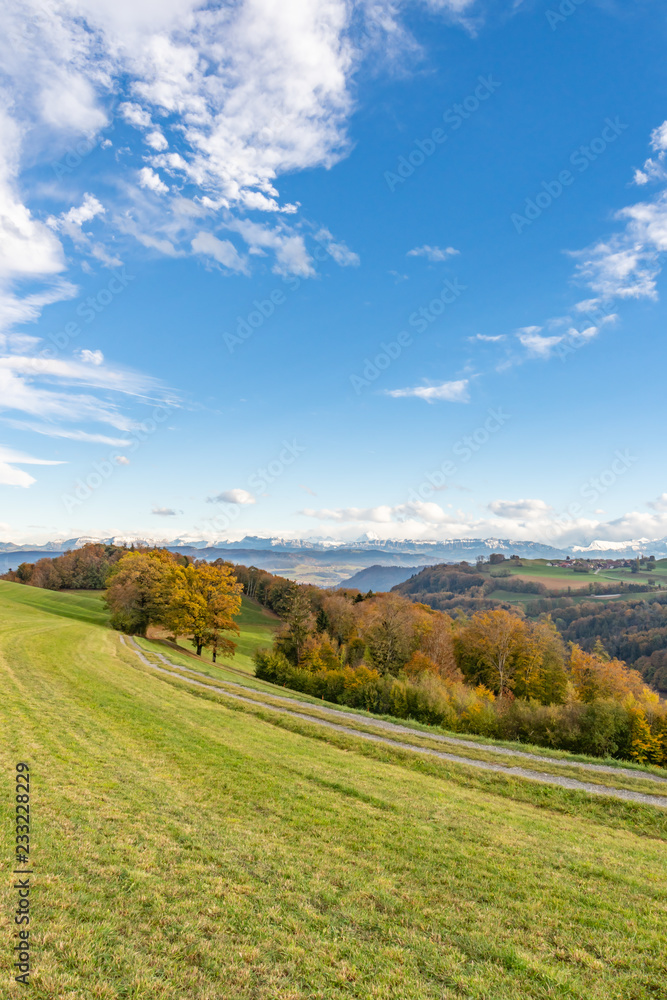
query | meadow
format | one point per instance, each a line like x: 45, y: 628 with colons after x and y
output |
x: 185, y: 846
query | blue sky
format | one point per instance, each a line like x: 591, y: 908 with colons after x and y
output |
x: 333, y: 268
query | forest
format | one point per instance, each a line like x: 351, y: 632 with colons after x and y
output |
x: 494, y: 672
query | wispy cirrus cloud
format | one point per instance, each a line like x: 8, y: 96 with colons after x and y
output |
x: 11, y: 475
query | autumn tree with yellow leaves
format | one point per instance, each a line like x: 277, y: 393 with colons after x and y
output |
x: 197, y: 601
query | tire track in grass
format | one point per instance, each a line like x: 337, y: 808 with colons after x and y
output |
x: 394, y: 727
x: 515, y: 772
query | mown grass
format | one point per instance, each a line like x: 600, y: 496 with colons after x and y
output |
x: 186, y: 849
x: 632, y: 780
x: 219, y: 673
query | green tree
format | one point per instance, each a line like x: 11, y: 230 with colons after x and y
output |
x: 136, y: 590
x: 299, y: 623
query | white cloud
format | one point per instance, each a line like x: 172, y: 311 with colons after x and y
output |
x: 425, y: 512
x: 435, y: 254
x: 537, y: 345
x: 620, y: 267
x: 292, y: 256
x: 52, y: 430
x: 248, y: 92
x: 149, y: 179
x: 10, y: 475
x: 339, y: 250
x: 71, y: 224
x: 486, y: 339
x: 157, y: 140
x: 626, y: 264
x: 91, y: 357
x: 233, y: 496
x: 135, y: 114
x: 451, y: 392
x: 660, y: 503
x: 166, y: 511
x: 654, y: 169
x: 519, y: 510
x: 221, y: 250
x: 61, y: 393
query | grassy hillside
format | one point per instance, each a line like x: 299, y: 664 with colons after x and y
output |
x: 184, y: 847
x: 559, y: 578
x: 258, y: 627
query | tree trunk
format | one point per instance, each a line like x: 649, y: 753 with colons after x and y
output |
x: 215, y: 655
x: 200, y: 646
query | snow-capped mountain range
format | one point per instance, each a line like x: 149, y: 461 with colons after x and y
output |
x: 452, y: 550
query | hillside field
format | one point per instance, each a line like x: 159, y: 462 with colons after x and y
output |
x: 560, y: 578
x: 187, y: 846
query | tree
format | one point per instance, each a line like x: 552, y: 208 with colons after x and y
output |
x: 494, y: 641
x: 299, y: 623
x: 645, y: 747
x: 136, y: 590
x: 387, y: 624
x: 322, y: 621
x: 201, y: 602
x: 436, y: 640
x: 594, y: 678
x: 540, y: 665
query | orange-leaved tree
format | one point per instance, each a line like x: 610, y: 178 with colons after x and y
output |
x: 491, y: 645
x: 200, y: 603
x: 594, y: 677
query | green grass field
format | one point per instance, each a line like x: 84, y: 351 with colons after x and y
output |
x: 183, y: 847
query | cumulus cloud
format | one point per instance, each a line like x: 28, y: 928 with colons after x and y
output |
x: 434, y: 254
x: 149, y: 179
x: 626, y: 264
x: 166, y: 511
x: 425, y: 512
x: 237, y: 496
x: 519, y: 510
x: 654, y: 168
x: 486, y: 339
x: 519, y: 520
x: 451, y: 392
x: 225, y: 99
x: 223, y: 251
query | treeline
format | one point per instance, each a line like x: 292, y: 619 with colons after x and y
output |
x: 193, y: 600
x: 494, y: 672
x: 86, y: 568
x: 635, y: 631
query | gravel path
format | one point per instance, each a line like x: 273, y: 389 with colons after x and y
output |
x: 540, y: 776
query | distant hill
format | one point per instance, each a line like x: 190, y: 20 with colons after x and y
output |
x: 380, y: 578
